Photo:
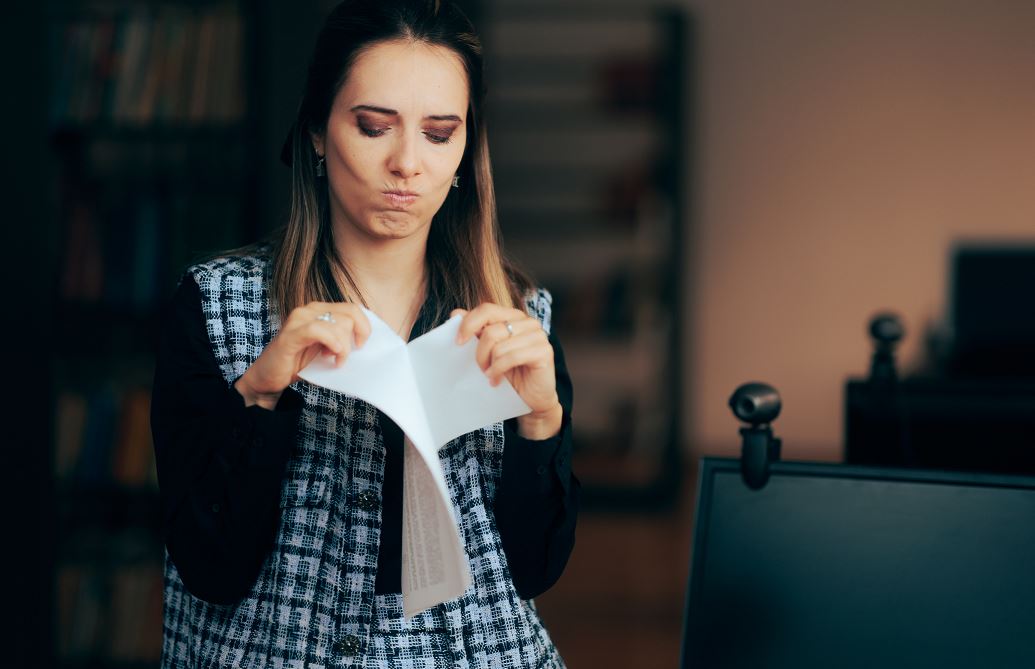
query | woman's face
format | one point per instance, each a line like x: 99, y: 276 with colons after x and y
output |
x: 394, y: 139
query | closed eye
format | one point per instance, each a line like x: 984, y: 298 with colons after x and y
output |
x: 372, y: 132
x: 439, y: 137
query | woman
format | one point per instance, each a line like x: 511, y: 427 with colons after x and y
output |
x: 282, y: 500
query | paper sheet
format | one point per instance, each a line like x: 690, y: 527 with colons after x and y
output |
x: 434, y: 391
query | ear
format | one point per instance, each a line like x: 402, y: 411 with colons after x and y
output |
x: 318, y: 142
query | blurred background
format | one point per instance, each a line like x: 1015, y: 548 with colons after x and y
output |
x: 714, y: 191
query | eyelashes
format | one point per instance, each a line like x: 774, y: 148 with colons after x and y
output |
x: 439, y: 138
x: 435, y: 137
x: 372, y: 132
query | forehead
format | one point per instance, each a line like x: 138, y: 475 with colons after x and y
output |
x: 411, y: 77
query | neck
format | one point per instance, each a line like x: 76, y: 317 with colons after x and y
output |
x: 389, y: 273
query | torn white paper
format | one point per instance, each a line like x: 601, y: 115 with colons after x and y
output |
x: 435, y: 391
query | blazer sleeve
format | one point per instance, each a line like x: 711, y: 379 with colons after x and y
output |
x: 220, y: 464
x: 538, y: 498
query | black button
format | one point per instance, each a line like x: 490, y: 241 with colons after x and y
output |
x: 367, y: 500
x: 215, y: 508
x: 540, y: 470
x: 347, y: 645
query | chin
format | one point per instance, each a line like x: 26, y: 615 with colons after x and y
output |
x: 394, y: 224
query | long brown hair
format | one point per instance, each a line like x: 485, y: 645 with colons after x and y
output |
x: 466, y: 264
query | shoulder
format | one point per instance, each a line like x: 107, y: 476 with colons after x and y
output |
x: 242, y: 266
x: 538, y: 302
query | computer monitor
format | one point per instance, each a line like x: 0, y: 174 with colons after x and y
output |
x: 993, y: 320
x: 847, y: 566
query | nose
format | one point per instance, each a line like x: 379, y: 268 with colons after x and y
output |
x: 404, y: 160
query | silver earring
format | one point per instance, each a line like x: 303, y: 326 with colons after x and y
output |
x: 456, y: 181
x: 320, y: 171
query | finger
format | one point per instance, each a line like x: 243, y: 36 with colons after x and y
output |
x: 338, y: 339
x: 491, y: 336
x: 302, y: 316
x: 360, y: 325
x: 525, y: 325
x: 494, y: 334
x: 330, y: 336
x: 535, y: 357
x: 317, y: 308
x: 314, y: 309
x: 344, y: 328
x: 457, y: 312
x: 476, y: 319
x: 358, y: 322
x: 528, y: 339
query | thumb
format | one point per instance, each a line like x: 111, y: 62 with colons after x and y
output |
x: 457, y: 312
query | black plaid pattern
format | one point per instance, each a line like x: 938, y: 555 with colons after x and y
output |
x: 313, y: 605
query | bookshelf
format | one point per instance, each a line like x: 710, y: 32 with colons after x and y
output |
x: 587, y: 118
x: 151, y: 138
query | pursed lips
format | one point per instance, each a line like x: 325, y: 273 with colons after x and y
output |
x: 400, y: 198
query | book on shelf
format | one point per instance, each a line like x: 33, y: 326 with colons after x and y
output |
x: 103, y: 437
x: 121, y: 86
x: 150, y: 77
x: 200, y: 85
x: 109, y: 612
x: 628, y: 84
x: 174, y: 70
x: 83, y: 268
x: 117, y: 263
x: 171, y: 65
x: 81, y: 596
x: 136, y: 618
x: 93, y: 466
x: 127, y: 254
x: 121, y: 226
x: 133, y: 461
x: 599, y: 305
x: 133, y: 252
x: 70, y: 423
x: 146, y: 255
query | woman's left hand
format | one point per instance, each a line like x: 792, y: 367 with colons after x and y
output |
x: 523, y: 354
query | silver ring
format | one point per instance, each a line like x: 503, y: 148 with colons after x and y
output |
x: 326, y: 316
x: 510, y: 328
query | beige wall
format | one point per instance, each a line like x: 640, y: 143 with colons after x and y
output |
x: 843, y: 146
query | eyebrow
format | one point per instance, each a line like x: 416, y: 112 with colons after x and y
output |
x: 392, y: 112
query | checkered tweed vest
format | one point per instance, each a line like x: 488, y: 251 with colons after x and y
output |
x: 313, y: 605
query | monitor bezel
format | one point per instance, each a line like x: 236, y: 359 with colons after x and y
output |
x: 709, y: 466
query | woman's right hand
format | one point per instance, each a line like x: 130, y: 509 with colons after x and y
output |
x: 301, y: 339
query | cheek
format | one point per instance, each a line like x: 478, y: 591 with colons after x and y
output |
x: 451, y: 159
x: 350, y: 177
x: 357, y: 159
